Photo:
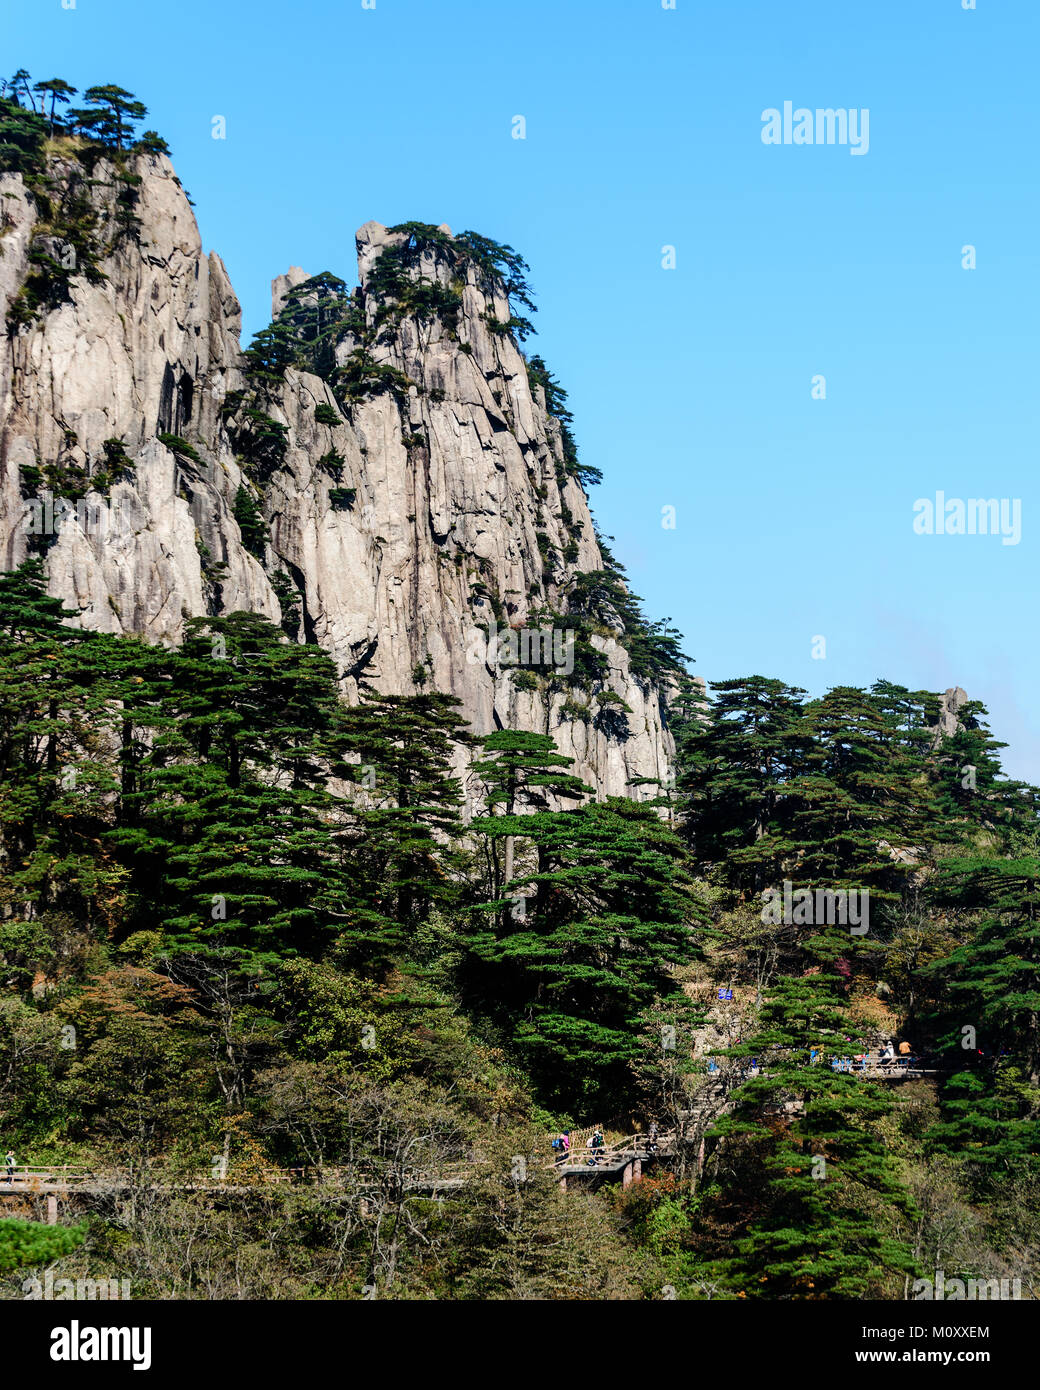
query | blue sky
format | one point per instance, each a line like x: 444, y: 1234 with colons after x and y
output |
x: 691, y: 387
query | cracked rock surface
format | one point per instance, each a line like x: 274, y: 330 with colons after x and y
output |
x: 457, y: 490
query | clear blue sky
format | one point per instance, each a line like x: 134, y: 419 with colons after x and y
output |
x: 690, y: 387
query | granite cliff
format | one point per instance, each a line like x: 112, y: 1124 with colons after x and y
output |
x: 395, y: 506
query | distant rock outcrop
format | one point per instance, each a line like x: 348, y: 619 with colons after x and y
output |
x: 952, y: 702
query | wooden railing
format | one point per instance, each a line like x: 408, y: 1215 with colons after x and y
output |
x: 614, y: 1152
x: 30, y: 1177
x: 28, y: 1180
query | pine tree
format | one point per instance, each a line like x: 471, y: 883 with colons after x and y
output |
x: 737, y: 769
x: 401, y: 749
x: 115, y: 113
x: 245, y: 696
x: 60, y: 93
x: 859, y: 796
x: 54, y: 777
x: 250, y: 870
x: 233, y: 838
x: 606, y: 913
x: 522, y: 772
x: 991, y: 1024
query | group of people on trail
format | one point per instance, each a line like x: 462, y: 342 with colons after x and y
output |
x: 750, y: 1067
x: 595, y: 1144
x: 862, y: 1060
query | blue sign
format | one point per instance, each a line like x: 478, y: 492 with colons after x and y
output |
x: 725, y: 994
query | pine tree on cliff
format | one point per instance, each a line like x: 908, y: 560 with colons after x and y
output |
x: 60, y: 94
x: 110, y: 114
x: 20, y: 83
x: 249, y: 514
x: 970, y: 790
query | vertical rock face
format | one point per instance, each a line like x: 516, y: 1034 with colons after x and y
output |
x: 451, y: 514
x: 950, y: 706
x: 952, y: 701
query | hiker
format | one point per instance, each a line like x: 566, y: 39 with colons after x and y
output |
x: 9, y: 1160
x: 888, y: 1054
x: 651, y: 1137
x: 565, y: 1139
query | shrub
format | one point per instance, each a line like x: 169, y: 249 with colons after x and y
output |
x: 332, y: 463
x: 180, y: 446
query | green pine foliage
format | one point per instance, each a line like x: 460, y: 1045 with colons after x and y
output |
x: 249, y: 514
x: 28, y: 1244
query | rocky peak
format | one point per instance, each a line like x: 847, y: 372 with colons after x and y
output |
x: 282, y: 284
x: 402, y: 506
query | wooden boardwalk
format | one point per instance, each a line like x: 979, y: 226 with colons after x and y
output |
x: 66, y: 1182
x: 622, y: 1160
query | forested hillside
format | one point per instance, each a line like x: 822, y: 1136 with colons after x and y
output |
x: 263, y: 917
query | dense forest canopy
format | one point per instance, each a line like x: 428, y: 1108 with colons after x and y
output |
x: 273, y: 936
